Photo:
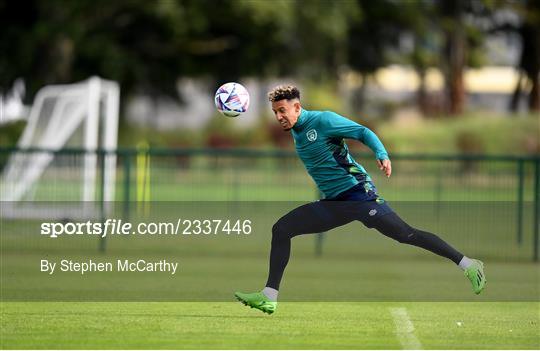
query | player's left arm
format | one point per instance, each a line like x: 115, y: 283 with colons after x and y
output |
x: 338, y: 126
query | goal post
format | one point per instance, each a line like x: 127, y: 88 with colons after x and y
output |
x: 82, y: 117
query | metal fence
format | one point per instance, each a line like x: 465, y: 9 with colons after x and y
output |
x: 145, y: 175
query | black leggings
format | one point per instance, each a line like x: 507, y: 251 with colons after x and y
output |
x: 309, y: 218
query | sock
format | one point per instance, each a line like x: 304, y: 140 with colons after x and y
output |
x: 465, y: 262
x: 271, y: 293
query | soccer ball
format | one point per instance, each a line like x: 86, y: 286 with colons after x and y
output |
x: 232, y: 99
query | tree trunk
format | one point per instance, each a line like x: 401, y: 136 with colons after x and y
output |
x: 359, y: 95
x: 456, y: 62
x: 530, y: 54
x: 534, y: 97
x: 421, y: 94
x: 514, y: 101
x: 454, y: 54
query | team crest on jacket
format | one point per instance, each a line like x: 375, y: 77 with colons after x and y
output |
x: 311, y: 135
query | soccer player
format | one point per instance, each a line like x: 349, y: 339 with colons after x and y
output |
x: 348, y: 190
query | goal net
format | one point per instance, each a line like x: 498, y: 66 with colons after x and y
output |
x: 64, y: 163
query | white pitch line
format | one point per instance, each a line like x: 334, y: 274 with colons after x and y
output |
x: 405, y: 329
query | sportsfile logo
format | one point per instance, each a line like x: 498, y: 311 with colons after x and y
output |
x: 121, y: 227
x: 110, y: 226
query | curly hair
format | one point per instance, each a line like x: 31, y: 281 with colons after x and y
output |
x: 283, y: 92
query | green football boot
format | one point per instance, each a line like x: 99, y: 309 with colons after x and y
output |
x: 257, y: 300
x: 475, y: 273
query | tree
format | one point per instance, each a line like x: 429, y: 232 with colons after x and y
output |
x: 527, y: 28
x: 147, y: 45
x: 455, y: 52
x: 418, y: 21
x: 529, y: 62
x: 465, y: 24
x: 59, y: 41
x: 369, y: 39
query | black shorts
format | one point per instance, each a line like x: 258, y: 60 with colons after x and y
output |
x: 362, y: 202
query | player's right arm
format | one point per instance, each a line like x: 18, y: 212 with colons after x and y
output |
x: 336, y: 125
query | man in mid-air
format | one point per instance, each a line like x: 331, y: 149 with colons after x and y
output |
x: 349, y: 193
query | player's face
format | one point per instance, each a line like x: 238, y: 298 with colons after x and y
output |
x: 286, y: 112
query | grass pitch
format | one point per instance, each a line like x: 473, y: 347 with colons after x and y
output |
x: 296, y: 325
x: 357, y: 264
